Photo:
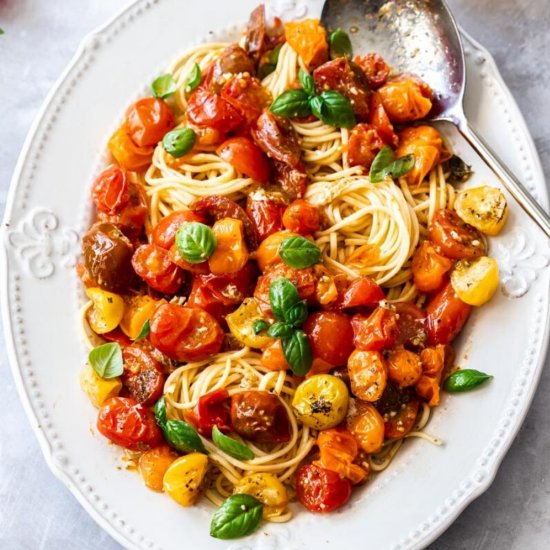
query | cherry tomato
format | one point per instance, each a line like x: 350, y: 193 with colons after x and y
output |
x: 380, y: 120
x: 445, y: 316
x: 399, y: 409
x: 143, y: 377
x: 154, y: 266
x: 246, y: 157
x: 117, y: 336
x: 185, y: 333
x: 301, y: 217
x: 266, y: 211
x: 277, y: 139
x: 164, y: 233
x: 330, y: 336
x: 406, y: 98
x: 367, y: 426
x: 456, y: 239
x: 110, y: 190
x: 129, y: 424
x: 368, y: 374
x: 211, y: 410
x: 364, y: 144
x: 147, y: 120
x: 175, y: 257
x: 363, y: 291
x: 375, y: 332
x: 429, y: 268
x: 129, y: 155
x: 411, y: 322
x: 200, y: 296
x: 230, y: 289
x: 404, y: 367
x: 291, y: 179
x: 232, y: 60
x: 247, y: 95
x: 321, y: 490
x: 375, y: 68
x: 256, y: 33
x: 209, y: 109
x: 273, y: 357
x: 433, y: 362
x: 260, y: 416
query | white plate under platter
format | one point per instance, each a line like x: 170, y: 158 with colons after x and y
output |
x: 426, y: 487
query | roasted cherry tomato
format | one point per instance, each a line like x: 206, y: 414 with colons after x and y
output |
x: 368, y: 374
x: 110, y: 190
x: 475, y: 281
x: 292, y: 180
x: 209, y: 109
x: 364, y: 144
x: 308, y: 38
x: 330, y: 336
x: 201, y: 296
x: 301, y: 217
x: 273, y: 356
x: 404, y: 367
x: 246, y: 157
x: 153, y: 465
x: 260, y: 416
x: 256, y: 33
x: 380, y: 120
x: 164, y: 233
x: 129, y: 424
x: 231, y: 253
x: 363, y: 291
x: 267, y: 488
x: 446, y: 314
x: 143, y: 377
x: 321, y: 490
x: 375, y: 332
x: 367, y: 426
x: 399, y: 409
x: 485, y: 208
x: 411, y: 322
x: 456, y: 239
x: 375, y: 68
x: 147, y: 120
x: 211, y: 410
x: 138, y: 311
x: 229, y: 289
x: 200, y: 268
x: 117, y: 336
x: 433, y: 362
x: 266, y: 211
x: 429, y: 268
x: 185, y: 333
x: 233, y: 60
x: 129, y: 155
x: 406, y: 98
x: 154, y: 266
x: 268, y: 252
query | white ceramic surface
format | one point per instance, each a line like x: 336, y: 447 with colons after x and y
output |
x: 426, y: 487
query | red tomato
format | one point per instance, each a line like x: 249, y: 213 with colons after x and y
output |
x: 411, y: 322
x: 291, y: 179
x: 164, y: 233
x: 455, y: 238
x: 154, y: 266
x: 364, y: 144
x: 301, y: 217
x: 117, y: 336
x: 110, y: 190
x: 143, y: 377
x: 246, y: 157
x: 247, y: 95
x: 330, y: 336
x: 128, y: 424
x: 209, y: 109
x: 256, y: 33
x: 277, y: 139
x: 321, y: 490
x: 179, y: 260
x: 399, y: 409
x: 200, y: 296
x: 211, y: 410
x: 429, y: 268
x: 363, y: 291
x: 185, y: 333
x: 375, y: 332
x: 130, y: 217
x: 147, y: 120
x: 380, y: 120
x: 375, y: 68
x: 445, y: 316
x: 266, y: 211
x: 230, y: 289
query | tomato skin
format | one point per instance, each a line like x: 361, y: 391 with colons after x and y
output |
x: 110, y: 190
x: 330, y: 336
x: 117, y: 336
x: 380, y: 120
x: 154, y: 266
x: 321, y: 490
x: 291, y: 179
x: 406, y: 98
x: 232, y: 60
x: 246, y: 157
x: 128, y: 424
x: 179, y: 260
x: 364, y: 144
x: 363, y: 291
x: 399, y: 409
x: 375, y: 332
x: 200, y: 296
x: 411, y: 323
x: 446, y: 314
x: 374, y: 67
x: 129, y: 155
x: 301, y: 217
x: 256, y: 33
x: 211, y: 410
x: 143, y: 377
x: 266, y: 212
x: 429, y: 268
x: 164, y: 233
x: 456, y: 239
x: 206, y: 108
x: 147, y: 120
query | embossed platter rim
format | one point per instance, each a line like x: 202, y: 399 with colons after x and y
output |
x: 24, y: 201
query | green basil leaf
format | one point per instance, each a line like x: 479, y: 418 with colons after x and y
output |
x: 333, y: 109
x: 179, y: 142
x: 282, y: 296
x: 459, y: 170
x: 297, y: 352
x: 144, y: 332
x: 231, y: 446
x: 274, y: 54
x: 237, y: 517
x: 297, y: 314
x: 340, y: 44
x: 160, y: 413
x: 383, y: 158
x: 182, y: 437
x: 299, y: 252
x: 307, y: 82
x: 164, y: 86
x: 194, y: 79
x: 290, y: 104
x: 465, y: 380
x: 195, y: 241
x: 2, y: 32
x: 106, y: 360
x: 280, y: 330
x: 267, y: 67
x: 259, y: 326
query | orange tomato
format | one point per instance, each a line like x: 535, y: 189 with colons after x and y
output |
x: 273, y: 357
x: 129, y: 155
x: 368, y: 374
x: 367, y: 426
x: 231, y: 253
x: 308, y: 39
x: 377, y: 331
x: 267, y: 253
x: 402, y: 422
x: 404, y: 367
x: 301, y: 217
x: 433, y: 362
x: 147, y: 120
x: 429, y: 268
x: 406, y: 98
x: 139, y: 310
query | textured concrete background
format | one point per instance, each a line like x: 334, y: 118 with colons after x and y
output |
x: 36, y: 510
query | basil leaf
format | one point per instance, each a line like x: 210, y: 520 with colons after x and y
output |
x: 274, y: 54
x: 340, y: 44
x: 179, y: 142
x: 280, y: 330
x: 459, y: 170
x: 333, y: 109
x: 231, y: 446
x: 195, y: 241
x: 297, y: 314
x: 267, y: 67
x: 465, y: 380
x: 160, y: 413
x: 307, y: 82
x: 297, y: 352
x: 144, y: 332
x: 164, y: 86
x: 2, y: 32
x: 182, y: 437
x: 401, y: 166
x: 282, y: 296
x: 292, y: 103
x: 194, y: 79
x: 238, y: 516
x: 385, y: 164
x: 106, y: 360
x: 299, y: 252
x: 259, y: 326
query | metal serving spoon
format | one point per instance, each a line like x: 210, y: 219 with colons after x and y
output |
x: 421, y: 37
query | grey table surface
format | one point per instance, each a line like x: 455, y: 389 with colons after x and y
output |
x: 36, y: 510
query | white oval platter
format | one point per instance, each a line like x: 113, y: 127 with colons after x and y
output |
x: 426, y: 487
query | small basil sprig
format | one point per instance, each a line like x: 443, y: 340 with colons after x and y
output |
x: 385, y: 164
x: 291, y: 104
x: 106, y: 360
x: 144, y: 332
x: 340, y: 44
x: 280, y: 330
x: 259, y: 326
x: 164, y: 86
x: 179, y: 142
x: 299, y: 252
x: 231, y: 446
x: 195, y: 241
x: 282, y: 296
x: 465, y: 380
x: 307, y: 82
x: 238, y: 516
x: 297, y: 352
x: 297, y: 314
x: 194, y: 79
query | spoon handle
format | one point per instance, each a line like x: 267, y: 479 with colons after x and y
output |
x: 533, y: 209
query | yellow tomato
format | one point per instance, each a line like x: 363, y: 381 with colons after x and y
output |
x: 483, y: 207
x: 268, y: 251
x: 107, y: 311
x: 475, y: 281
x: 96, y: 388
x: 241, y: 324
x: 184, y: 477
x: 321, y: 401
x: 267, y: 489
x: 231, y: 253
x: 139, y: 310
x: 153, y: 465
